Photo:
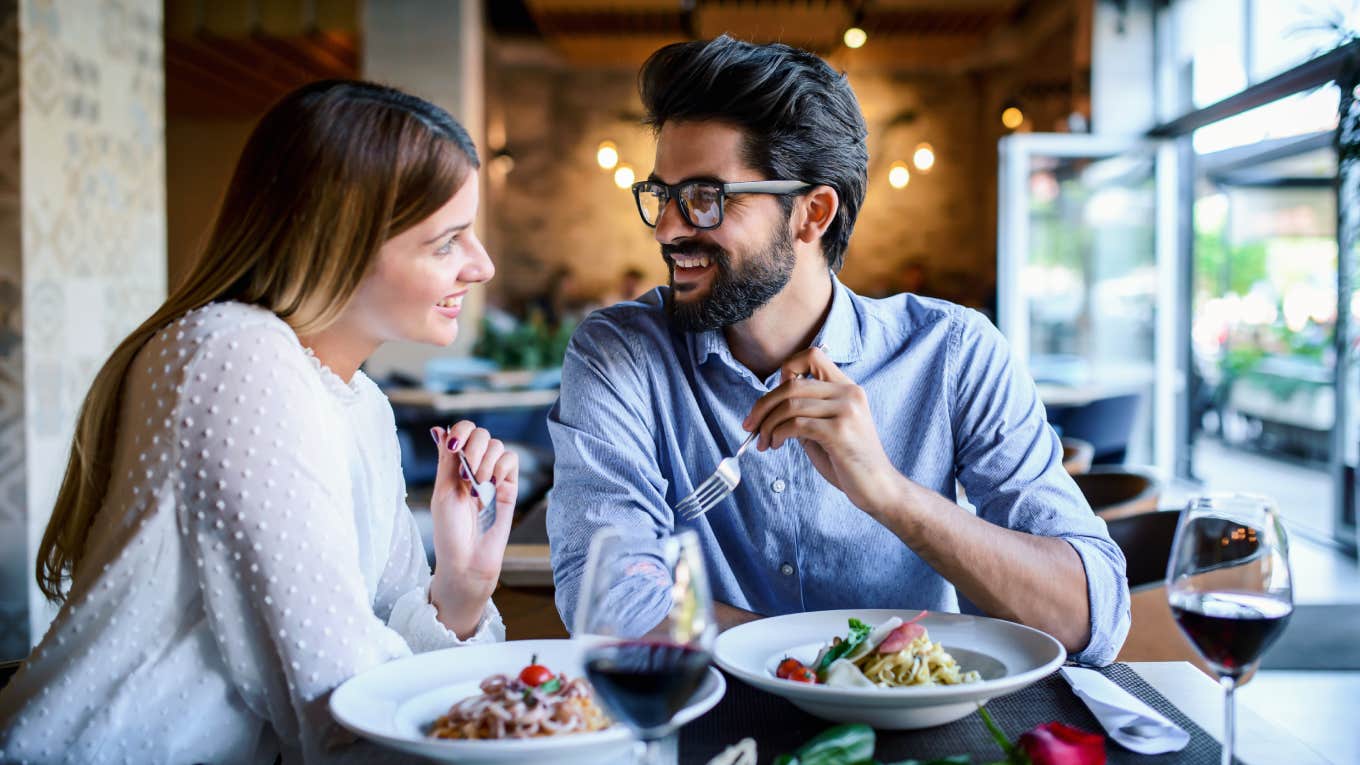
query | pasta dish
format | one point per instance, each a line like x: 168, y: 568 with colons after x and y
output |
x: 536, y: 703
x: 895, y: 654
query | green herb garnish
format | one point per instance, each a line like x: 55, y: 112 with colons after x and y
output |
x: 859, y: 632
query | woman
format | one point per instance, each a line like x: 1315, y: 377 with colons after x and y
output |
x: 232, y: 521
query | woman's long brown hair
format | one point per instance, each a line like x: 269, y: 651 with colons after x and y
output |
x: 329, y: 174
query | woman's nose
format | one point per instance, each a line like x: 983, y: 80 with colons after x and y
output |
x: 479, y: 267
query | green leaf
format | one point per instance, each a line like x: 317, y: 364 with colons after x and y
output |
x: 859, y: 632
x: 951, y: 760
x: 842, y: 745
x: 997, y: 734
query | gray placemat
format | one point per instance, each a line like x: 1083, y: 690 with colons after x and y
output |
x: 779, y: 727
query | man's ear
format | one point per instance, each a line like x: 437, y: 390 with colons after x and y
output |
x: 817, y: 208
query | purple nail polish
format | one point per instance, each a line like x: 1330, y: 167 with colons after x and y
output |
x: 434, y: 433
x: 493, y: 479
x: 453, y: 444
x: 462, y: 471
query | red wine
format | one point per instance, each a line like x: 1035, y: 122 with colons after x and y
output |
x: 645, y: 684
x: 1232, y: 630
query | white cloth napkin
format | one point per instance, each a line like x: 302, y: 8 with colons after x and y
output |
x: 1116, y: 708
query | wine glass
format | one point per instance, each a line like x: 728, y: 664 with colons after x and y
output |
x: 1229, y: 586
x: 647, y: 603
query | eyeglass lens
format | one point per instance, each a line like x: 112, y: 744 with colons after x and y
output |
x: 700, y: 203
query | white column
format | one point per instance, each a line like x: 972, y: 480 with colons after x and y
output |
x: 1123, y: 69
x: 433, y: 49
x: 82, y: 205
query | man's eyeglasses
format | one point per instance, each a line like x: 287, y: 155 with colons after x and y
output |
x: 701, y: 202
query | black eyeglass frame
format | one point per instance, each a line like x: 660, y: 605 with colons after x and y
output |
x: 779, y: 188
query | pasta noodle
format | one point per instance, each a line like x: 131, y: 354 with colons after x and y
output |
x: 508, y: 708
x: 923, y: 662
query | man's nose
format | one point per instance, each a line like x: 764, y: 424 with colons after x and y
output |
x: 671, y: 224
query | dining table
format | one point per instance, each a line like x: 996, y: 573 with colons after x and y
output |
x: 1176, y: 688
x: 460, y: 402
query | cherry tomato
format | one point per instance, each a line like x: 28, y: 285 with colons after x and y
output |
x: 535, y: 675
x: 803, y: 675
x: 788, y: 667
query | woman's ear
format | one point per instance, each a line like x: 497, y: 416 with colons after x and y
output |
x: 817, y: 209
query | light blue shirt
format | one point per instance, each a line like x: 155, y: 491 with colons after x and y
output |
x: 631, y: 440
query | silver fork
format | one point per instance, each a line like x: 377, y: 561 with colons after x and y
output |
x: 723, y: 482
x: 716, y: 487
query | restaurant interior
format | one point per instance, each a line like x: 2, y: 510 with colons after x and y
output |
x: 1153, y: 200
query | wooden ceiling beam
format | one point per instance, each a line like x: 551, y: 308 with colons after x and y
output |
x: 342, y: 47
x: 1014, y: 43
x: 916, y: 53
x: 197, y: 88
x: 278, y: 56
x: 208, y: 56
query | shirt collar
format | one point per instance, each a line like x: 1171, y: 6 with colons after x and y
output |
x: 840, y: 332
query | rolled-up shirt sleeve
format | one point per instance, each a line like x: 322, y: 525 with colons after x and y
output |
x: 1009, y: 461
x: 606, y: 472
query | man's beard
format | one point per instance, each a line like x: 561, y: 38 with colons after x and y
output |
x: 733, y: 295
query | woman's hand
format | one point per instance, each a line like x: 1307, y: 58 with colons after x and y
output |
x: 468, y: 560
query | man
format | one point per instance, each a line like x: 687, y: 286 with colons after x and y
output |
x: 867, y: 410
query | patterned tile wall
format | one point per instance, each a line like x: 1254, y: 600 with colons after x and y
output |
x: 13, y: 499
x: 90, y: 262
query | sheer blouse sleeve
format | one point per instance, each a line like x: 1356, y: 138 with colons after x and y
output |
x: 268, y: 521
x: 404, y: 595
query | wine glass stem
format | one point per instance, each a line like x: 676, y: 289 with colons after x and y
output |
x: 1229, y: 718
x: 653, y: 755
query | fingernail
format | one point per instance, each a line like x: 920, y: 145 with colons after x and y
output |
x: 493, y: 479
x: 462, y: 471
x: 434, y: 433
x: 453, y: 444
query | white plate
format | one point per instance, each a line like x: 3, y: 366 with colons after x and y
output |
x: 393, y: 704
x: 1009, y: 657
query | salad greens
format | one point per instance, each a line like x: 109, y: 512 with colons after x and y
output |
x: 854, y: 745
x: 859, y: 632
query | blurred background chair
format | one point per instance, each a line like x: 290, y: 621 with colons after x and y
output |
x: 526, y: 592
x: 1145, y: 540
x: 1118, y: 492
x: 1077, y: 455
x: 7, y: 670
x: 1105, y: 423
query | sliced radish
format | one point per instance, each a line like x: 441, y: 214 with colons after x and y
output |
x: 903, y: 636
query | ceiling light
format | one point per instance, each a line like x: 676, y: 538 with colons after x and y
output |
x: 898, y: 175
x: 855, y: 37
x: 1011, y: 116
x: 623, y: 177
x: 923, y: 157
x: 607, y: 155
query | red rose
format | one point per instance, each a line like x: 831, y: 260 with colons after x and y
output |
x: 1057, y: 744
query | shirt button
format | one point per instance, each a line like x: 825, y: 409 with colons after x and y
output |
x: 786, y: 569
x: 778, y: 486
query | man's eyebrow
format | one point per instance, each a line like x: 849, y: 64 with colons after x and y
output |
x: 706, y: 178
x: 451, y: 229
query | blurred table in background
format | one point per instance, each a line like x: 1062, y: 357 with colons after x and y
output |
x: 472, y: 400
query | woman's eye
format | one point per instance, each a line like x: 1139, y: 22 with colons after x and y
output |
x: 447, y: 247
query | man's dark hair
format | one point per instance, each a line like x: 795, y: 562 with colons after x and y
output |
x: 801, y: 119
